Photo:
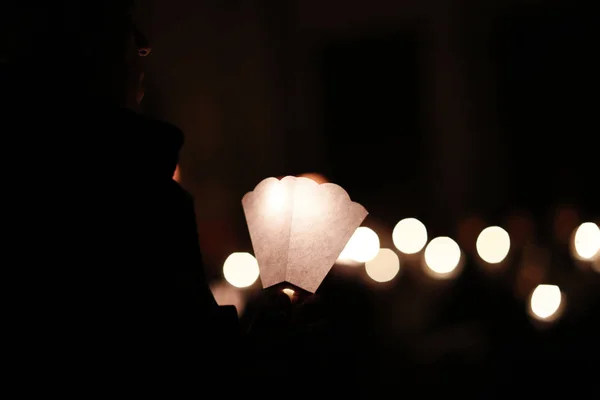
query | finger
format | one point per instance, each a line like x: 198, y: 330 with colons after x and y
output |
x: 312, y: 310
x: 276, y: 300
x: 310, y: 299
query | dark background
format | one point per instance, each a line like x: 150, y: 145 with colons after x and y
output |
x: 454, y: 112
x: 435, y: 109
x: 461, y: 113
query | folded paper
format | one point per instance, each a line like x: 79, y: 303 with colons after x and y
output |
x: 298, y: 228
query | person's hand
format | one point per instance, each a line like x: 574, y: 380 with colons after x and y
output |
x: 287, y: 333
x: 309, y: 314
x: 285, y: 315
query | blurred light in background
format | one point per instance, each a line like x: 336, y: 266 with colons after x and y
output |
x: 227, y: 295
x: 346, y: 262
x: 363, y: 246
x: 315, y: 177
x: 442, y: 257
x: 493, y: 244
x: 241, y: 269
x: 586, y: 241
x: 409, y: 236
x: 384, y: 267
x: 545, y: 302
x: 177, y: 174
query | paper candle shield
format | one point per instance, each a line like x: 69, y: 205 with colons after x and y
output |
x: 298, y: 229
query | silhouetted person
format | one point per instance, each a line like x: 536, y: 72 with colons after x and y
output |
x: 109, y: 291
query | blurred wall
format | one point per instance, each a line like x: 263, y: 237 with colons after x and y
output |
x: 239, y: 77
x: 211, y: 73
x: 445, y: 120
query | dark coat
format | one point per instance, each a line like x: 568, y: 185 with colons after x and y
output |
x: 109, y: 280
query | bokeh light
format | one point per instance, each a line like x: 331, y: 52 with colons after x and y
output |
x: 493, y: 244
x: 384, y: 267
x: 586, y: 241
x: 442, y: 256
x: 545, y: 302
x: 241, y: 269
x: 363, y: 246
x: 409, y: 236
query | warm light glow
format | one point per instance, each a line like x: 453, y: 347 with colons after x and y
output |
x: 289, y: 292
x: 545, y: 302
x: 384, y: 267
x: 442, y: 256
x: 298, y: 229
x: 276, y: 197
x: 227, y: 295
x: 241, y: 269
x: 315, y: 177
x: 409, y: 236
x: 177, y: 174
x: 587, y: 241
x: 493, y: 244
x: 363, y: 246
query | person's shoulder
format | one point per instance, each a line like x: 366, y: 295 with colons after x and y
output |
x: 141, y: 128
x: 163, y: 128
x: 147, y: 147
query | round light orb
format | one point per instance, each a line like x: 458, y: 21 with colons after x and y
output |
x: 587, y: 241
x: 384, y: 267
x: 493, y: 244
x: 241, y: 269
x: 409, y: 236
x: 442, y: 255
x: 363, y: 246
x: 545, y: 301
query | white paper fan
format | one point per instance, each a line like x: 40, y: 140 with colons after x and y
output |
x: 298, y: 228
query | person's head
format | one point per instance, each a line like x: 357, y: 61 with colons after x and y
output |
x: 84, y: 47
x: 115, y: 51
